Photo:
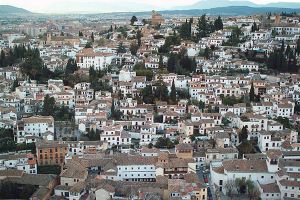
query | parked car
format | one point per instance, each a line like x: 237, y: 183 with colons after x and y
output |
x: 205, y: 180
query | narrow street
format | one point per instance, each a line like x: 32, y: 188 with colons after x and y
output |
x: 200, y: 175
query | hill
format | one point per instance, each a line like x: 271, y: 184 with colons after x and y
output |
x: 10, y: 10
x: 224, y: 11
x: 208, y: 4
x: 232, y: 11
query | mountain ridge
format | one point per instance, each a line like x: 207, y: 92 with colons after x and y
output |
x: 225, y: 11
x: 8, y: 9
x: 208, y: 4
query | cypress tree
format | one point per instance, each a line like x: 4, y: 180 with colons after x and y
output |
x: 2, y: 59
x: 218, y: 24
x: 244, y: 134
x: 202, y: 27
x: 173, y: 93
x: 298, y: 47
x: 251, y: 94
x: 160, y: 63
x: 92, y: 37
x: 139, y: 37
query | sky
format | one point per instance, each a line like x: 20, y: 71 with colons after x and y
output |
x: 64, y: 6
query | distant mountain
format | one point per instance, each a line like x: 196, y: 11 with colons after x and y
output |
x: 230, y: 11
x: 284, y: 5
x: 8, y: 10
x: 207, y: 4
x: 224, y: 11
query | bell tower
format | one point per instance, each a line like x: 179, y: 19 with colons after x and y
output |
x: 49, y: 38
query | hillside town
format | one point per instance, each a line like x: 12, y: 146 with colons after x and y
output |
x: 187, y: 108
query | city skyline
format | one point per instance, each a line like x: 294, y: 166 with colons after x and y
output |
x: 72, y: 6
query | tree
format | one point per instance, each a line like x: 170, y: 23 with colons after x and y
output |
x: 34, y: 67
x: 88, y: 45
x: 92, y: 37
x: 93, y: 135
x: 225, y: 121
x: 147, y: 95
x: 160, y: 62
x: 80, y: 34
x: 164, y: 143
x: 244, y: 134
x: 201, y: 105
x: 283, y: 59
x: 185, y: 30
x: 207, y: 53
x: 94, y: 79
x: 252, y: 94
x: 234, y: 39
x: 170, y: 41
x: 139, y: 37
x: 231, y: 100
x: 150, y: 145
x: 48, y: 106
x: 202, y: 27
x: 257, y: 98
x: 187, y: 64
x: 254, y: 27
x: 218, y: 24
x: 15, y: 85
x: 140, y: 70
x: 121, y: 48
x: 230, y: 187
x: 241, y: 185
x: 245, y: 147
x: 115, y: 114
x: 2, y: 59
x: 133, y: 19
x: 172, y: 63
x: 71, y: 67
x: 161, y: 92
x: 112, y: 109
x: 173, y: 97
x: 254, y: 194
x: 134, y: 48
x: 297, y: 47
x: 284, y: 121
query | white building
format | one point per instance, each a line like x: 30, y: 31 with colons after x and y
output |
x: 115, y: 136
x: 223, y: 173
x: 31, y: 128
x: 98, y: 60
x: 24, y: 162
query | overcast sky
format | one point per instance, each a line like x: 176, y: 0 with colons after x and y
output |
x: 61, y: 6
